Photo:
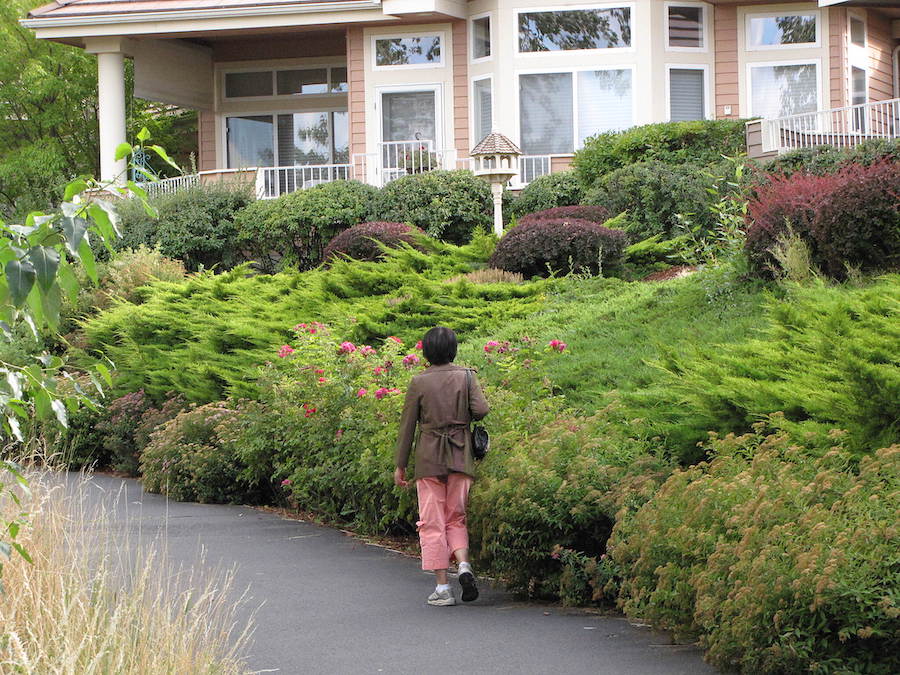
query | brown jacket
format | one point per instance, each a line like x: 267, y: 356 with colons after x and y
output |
x: 436, y: 402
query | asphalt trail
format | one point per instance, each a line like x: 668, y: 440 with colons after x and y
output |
x: 328, y: 603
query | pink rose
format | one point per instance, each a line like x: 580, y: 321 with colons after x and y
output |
x: 286, y: 482
x: 361, y: 393
x: 346, y: 348
x: 285, y: 351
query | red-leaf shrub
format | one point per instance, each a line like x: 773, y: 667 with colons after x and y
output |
x: 359, y: 241
x: 851, y: 217
x: 594, y: 214
x: 560, y: 245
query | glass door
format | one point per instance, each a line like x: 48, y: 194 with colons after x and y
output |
x: 410, y: 131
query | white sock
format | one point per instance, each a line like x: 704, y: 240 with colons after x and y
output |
x: 464, y: 567
x: 440, y: 588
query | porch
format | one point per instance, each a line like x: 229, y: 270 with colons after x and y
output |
x: 838, y: 127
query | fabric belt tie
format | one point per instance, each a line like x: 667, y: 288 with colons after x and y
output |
x: 453, y: 434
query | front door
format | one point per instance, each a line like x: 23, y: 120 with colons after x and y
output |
x: 410, y: 131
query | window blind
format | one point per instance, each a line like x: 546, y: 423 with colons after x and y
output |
x: 604, y: 102
x: 545, y: 113
x: 778, y: 91
x: 483, y: 109
x: 686, y: 94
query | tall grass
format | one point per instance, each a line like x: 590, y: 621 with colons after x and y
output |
x: 97, y: 601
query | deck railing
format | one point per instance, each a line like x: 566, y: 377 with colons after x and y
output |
x: 531, y: 167
x: 839, y: 127
x: 274, y: 181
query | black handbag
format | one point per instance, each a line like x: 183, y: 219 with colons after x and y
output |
x: 481, y: 442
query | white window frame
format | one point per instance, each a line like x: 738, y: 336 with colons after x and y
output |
x: 859, y: 16
x: 748, y: 18
x: 704, y: 24
x: 273, y: 72
x: 441, y: 35
x: 707, y: 102
x: 436, y: 87
x: 567, y: 8
x: 574, y: 72
x: 274, y: 115
x: 490, y: 17
x: 799, y: 62
x: 473, y: 111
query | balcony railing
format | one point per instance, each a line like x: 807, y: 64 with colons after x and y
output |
x: 274, y: 181
x: 839, y: 127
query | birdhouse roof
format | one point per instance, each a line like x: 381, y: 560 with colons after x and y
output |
x: 495, y: 143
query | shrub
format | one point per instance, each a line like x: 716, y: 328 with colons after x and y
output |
x: 189, y: 458
x: 448, y: 205
x: 654, y: 194
x: 292, y: 230
x: 594, y: 214
x: 825, y: 159
x: 126, y: 426
x: 654, y: 254
x: 128, y: 271
x: 195, y: 225
x: 850, y: 218
x: 699, y: 142
x: 547, y: 192
x: 559, y: 245
x: 780, y: 562
x: 364, y: 241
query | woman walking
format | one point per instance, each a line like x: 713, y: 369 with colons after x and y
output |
x: 442, y: 400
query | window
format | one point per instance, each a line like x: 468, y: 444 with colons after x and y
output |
x: 685, y: 27
x: 295, y: 139
x: 857, y: 32
x: 287, y: 82
x: 483, y: 108
x: 781, y: 90
x: 687, y: 99
x: 565, y: 30
x: 420, y: 50
x: 558, y: 111
x: 768, y: 32
x: 248, y: 84
x: 481, y: 37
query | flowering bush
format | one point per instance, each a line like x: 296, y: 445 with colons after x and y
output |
x: 192, y: 458
x: 559, y: 245
x: 849, y: 218
x: 779, y: 561
x: 361, y: 242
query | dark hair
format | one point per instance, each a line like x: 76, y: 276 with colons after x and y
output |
x: 439, y: 345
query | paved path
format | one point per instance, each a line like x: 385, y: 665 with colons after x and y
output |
x: 331, y: 604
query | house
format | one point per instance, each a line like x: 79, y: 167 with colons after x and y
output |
x: 297, y: 92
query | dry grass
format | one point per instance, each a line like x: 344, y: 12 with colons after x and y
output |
x: 490, y: 275
x: 94, y: 601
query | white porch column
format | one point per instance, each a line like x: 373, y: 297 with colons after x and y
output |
x: 111, y: 104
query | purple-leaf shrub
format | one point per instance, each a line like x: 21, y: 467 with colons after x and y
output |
x: 594, y: 214
x: 361, y: 241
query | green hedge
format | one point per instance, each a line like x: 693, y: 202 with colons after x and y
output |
x: 699, y: 142
x: 824, y: 159
x: 547, y: 192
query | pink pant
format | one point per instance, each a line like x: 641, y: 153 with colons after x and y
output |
x: 442, y: 518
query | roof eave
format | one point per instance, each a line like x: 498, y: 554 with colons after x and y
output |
x: 195, y: 14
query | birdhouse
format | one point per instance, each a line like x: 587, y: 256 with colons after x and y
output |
x: 496, y: 159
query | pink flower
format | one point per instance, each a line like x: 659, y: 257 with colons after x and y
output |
x: 558, y: 345
x: 286, y: 482
x: 299, y: 327
x: 366, y: 350
x: 319, y: 371
x: 322, y: 380
x: 378, y: 370
x: 395, y: 339
x: 411, y: 360
x: 339, y: 433
x: 285, y: 351
x: 419, y: 345
x: 491, y: 345
x: 361, y: 393
x: 346, y: 348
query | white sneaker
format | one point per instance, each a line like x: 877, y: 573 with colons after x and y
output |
x: 442, y: 599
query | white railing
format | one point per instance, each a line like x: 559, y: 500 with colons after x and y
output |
x: 839, y: 127
x: 168, y: 186
x: 531, y: 167
x: 274, y: 181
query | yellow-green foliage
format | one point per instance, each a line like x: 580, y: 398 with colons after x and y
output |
x: 206, y: 337
x: 781, y: 562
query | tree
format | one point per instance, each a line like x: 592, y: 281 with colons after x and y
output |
x: 48, y: 117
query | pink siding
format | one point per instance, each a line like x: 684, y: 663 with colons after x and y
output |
x: 880, y: 43
x: 206, y: 131
x: 725, y: 39
x: 837, y: 56
x: 356, y: 98
x: 461, y: 88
